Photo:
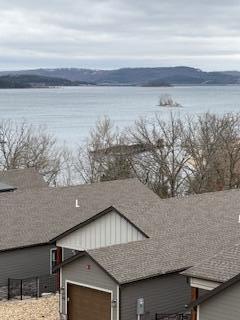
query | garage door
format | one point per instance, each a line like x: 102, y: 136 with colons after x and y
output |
x: 88, y: 304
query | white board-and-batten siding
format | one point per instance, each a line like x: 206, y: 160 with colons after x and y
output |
x: 107, y: 230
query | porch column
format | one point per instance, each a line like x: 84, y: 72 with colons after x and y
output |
x: 194, y: 296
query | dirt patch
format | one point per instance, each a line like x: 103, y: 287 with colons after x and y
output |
x: 32, y: 309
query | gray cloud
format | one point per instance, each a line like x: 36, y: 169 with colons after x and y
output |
x: 115, y: 33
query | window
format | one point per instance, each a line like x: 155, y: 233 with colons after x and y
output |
x: 53, y: 259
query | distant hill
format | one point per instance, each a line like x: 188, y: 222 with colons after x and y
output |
x: 35, y: 81
x: 232, y: 73
x: 139, y: 76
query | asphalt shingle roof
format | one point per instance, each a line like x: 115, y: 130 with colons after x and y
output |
x: 221, y: 267
x: 5, y: 187
x: 22, y: 179
x: 38, y: 215
x: 212, y: 293
x: 183, y: 232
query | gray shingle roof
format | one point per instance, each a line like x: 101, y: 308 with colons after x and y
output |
x: 5, y: 187
x: 221, y: 267
x: 38, y: 215
x: 212, y: 293
x: 182, y: 233
x: 23, y: 178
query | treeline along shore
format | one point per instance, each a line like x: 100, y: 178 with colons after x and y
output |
x: 173, y: 157
x: 147, y: 77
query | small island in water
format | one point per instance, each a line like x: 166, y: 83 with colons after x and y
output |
x: 167, y: 101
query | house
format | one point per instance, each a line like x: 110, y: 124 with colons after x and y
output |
x: 119, y: 244
x: 177, y: 234
x: 220, y: 303
x: 31, y: 217
x: 6, y: 188
x: 109, y: 269
x: 219, y: 277
x: 15, y: 180
x: 28, y: 178
x: 21, y: 179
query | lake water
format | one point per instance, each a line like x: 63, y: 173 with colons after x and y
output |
x: 70, y: 112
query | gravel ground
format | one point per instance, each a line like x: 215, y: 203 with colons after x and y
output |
x: 32, y: 309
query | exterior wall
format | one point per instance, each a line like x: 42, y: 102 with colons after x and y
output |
x: 165, y: 294
x: 203, y: 284
x: 67, y: 253
x: 201, y: 292
x: 24, y: 263
x: 86, y: 272
x: 224, y: 306
x: 107, y: 230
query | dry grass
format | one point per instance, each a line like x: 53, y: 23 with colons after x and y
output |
x: 32, y: 309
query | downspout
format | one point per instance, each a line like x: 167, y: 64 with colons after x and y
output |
x: 119, y: 303
x: 59, y: 260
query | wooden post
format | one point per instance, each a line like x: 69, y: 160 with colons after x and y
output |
x: 59, y: 260
x: 194, y: 296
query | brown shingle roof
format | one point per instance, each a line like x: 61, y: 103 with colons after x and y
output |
x: 23, y: 178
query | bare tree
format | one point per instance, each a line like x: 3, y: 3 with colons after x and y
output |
x: 213, y: 144
x: 23, y: 146
x: 173, y: 157
x: 100, y: 159
x: 162, y: 165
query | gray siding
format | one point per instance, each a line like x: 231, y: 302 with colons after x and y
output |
x: 165, y: 294
x: 201, y: 292
x: 24, y: 263
x: 224, y: 306
x: 77, y: 271
x: 68, y: 253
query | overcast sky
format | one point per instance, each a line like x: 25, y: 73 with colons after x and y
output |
x: 120, y: 33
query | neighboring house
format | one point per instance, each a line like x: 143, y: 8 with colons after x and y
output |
x: 222, y: 303
x: 6, y: 187
x: 180, y: 233
x: 22, y: 179
x: 32, y: 217
x: 219, y: 277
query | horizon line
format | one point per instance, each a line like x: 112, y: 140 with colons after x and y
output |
x: 113, y: 69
